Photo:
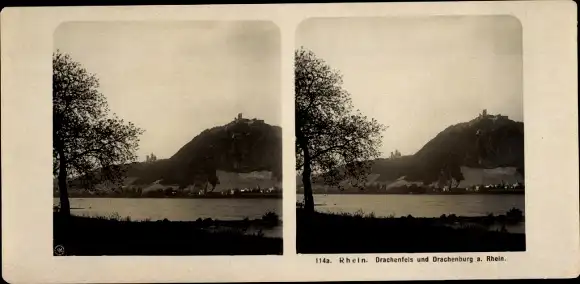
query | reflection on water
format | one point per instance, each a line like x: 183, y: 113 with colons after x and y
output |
x: 421, y: 205
x: 175, y: 209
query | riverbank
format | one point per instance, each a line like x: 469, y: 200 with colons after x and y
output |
x: 115, y: 236
x: 216, y: 196
x: 359, y: 233
x: 418, y: 193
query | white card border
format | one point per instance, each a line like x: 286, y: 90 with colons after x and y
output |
x: 550, y: 116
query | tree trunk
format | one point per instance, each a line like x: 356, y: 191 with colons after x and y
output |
x: 62, y: 186
x: 307, y: 183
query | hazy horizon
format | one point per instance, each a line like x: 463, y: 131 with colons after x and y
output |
x: 419, y: 75
x: 176, y: 79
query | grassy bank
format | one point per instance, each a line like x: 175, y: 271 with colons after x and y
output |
x: 115, y: 236
x: 359, y: 233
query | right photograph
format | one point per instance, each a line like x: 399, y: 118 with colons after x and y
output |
x: 409, y: 135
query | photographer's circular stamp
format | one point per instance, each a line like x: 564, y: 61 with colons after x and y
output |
x: 59, y: 250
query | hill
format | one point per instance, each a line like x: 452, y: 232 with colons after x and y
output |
x: 243, y: 150
x: 486, y: 149
x: 486, y: 142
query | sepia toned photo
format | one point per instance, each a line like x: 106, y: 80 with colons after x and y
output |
x: 410, y: 135
x: 167, y: 138
x: 281, y: 143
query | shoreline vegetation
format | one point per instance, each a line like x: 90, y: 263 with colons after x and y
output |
x: 418, y: 193
x: 172, y: 193
x: 502, y: 188
x: 113, y: 235
x: 319, y: 232
x: 249, y: 196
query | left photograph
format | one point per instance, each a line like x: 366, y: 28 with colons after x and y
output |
x: 167, y: 138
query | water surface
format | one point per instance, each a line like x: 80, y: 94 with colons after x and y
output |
x: 176, y: 209
x: 421, y: 205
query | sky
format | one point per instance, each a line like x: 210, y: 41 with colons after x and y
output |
x: 176, y: 79
x: 420, y: 75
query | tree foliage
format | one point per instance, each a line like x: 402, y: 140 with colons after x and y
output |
x: 205, y: 171
x: 332, y: 139
x: 88, y: 142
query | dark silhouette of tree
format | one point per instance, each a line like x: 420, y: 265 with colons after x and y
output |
x: 332, y: 140
x: 88, y: 143
x: 204, y: 170
x: 451, y: 170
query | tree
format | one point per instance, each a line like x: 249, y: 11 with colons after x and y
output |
x: 451, y: 170
x: 203, y: 170
x: 332, y: 141
x: 88, y: 143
